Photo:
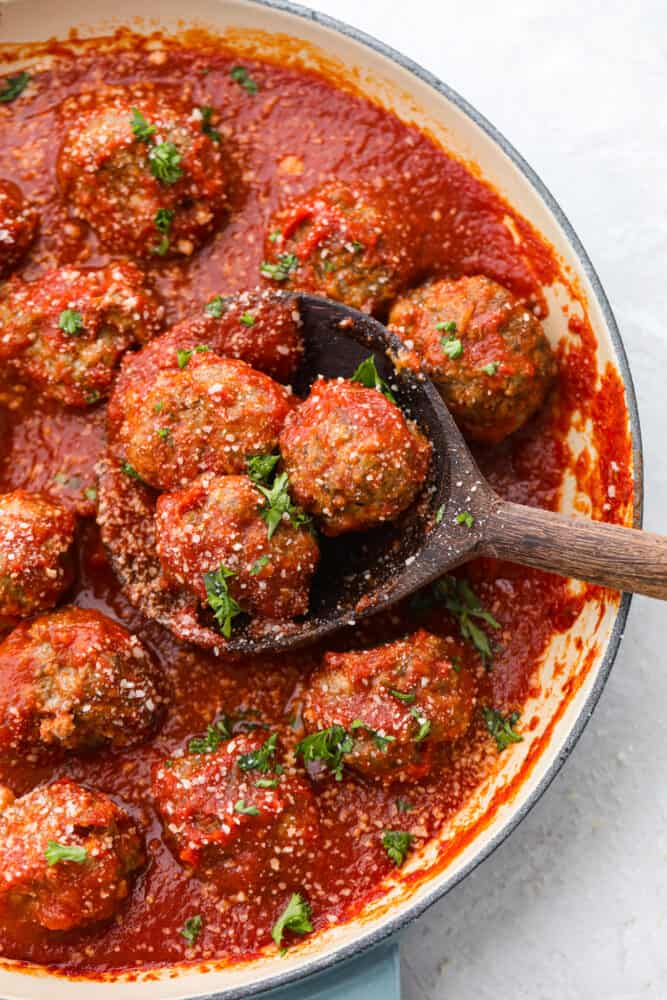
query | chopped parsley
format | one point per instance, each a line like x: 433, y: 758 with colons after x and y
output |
x: 267, y: 783
x: 452, y: 347
x: 164, y: 161
x: 129, y: 470
x: 278, y: 504
x: 71, y: 321
x: 164, y: 433
x: 14, y: 85
x: 328, y: 746
x: 240, y: 75
x: 206, y: 126
x: 461, y: 601
x: 275, y: 236
x: 287, y: 262
x: 259, y: 565
x: 215, y: 734
x: 260, y: 467
x: 408, y: 697
x: 440, y: 513
x: 247, y: 319
x: 367, y: 374
x: 261, y: 759
x: 502, y: 727
x: 465, y: 517
x: 90, y: 493
x: 142, y: 130
x: 182, y: 357
x: 381, y: 742
x: 449, y: 327
x: 423, y: 723
x: 328, y: 266
x: 164, y: 218
x: 492, y: 368
x: 55, y: 853
x: 295, y: 917
x: 404, y: 806
x: 221, y: 602
x: 191, y: 929
x: 357, y: 246
x: 157, y: 408
x: 215, y: 307
x: 397, y: 844
x: 245, y: 810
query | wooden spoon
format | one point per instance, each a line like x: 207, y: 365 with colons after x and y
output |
x: 360, y: 575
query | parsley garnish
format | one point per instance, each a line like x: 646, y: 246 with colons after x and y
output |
x: 267, y: 783
x: 182, y: 357
x: 14, y: 85
x: 215, y: 307
x: 287, y: 262
x: 275, y: 236
x: 402, y: 696
x: 278, y: 504
x: 461, y: 601
x: 215, y: 734
x: 397, y: 844
x: 501, y: 727
x: 164, y: 218
x: 261, y: 759
x: 260, y: 467
x: 259, y: 565
x: 381, y: 742
x: 240, y: 75
x: 247, y: 319
x: 191, y: 929
x: 129, y: 470
x: 452, y: 347
x: 164, y: 161
x: 465, y: 517
x: 423, y: 722
x: 492, y: 368
x: 440, y: 513
x: 157, y: 408
x: 403, y: 806
x: 221, y: 602
x: 295, y: 917
x: 245, y: 810
x: 164, y: 433
x: 206, y: 126
x: 367, y: 374
x: 55, y: 853
x: 447, y: 327
x: 90, y: 493
x: 142, y: 130
x: 71, y: 321
x: 328, y: 746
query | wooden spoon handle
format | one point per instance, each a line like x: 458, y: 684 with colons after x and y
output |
x: 622, y: 558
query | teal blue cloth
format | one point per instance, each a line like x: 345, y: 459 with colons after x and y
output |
x: 375, y: 976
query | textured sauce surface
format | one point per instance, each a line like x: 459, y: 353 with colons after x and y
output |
x: 295, y: 132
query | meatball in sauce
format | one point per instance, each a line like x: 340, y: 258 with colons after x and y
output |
x: 18, y: 225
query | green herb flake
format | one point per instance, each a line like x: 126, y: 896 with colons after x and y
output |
x: 452, y: 347
x: 259, y: 565
x: 274, y: 236
x: 492, y: 368
x: 440, y: 513
x: 461, y: 601
x: 55, y: 853
x: 466, y: 518
x: 279, y: 505
x: 14, y: 86
x: 206, y: 123
x: 164, y: 218
x: 327, y: 746
x: 381, y: 741
x: 215, y: 307
x: 215, y: 734
x: 164, y: 433
x: 449, y: 327
x: 260, y: 467
x: 502, y: 727
x: 287, y: 262
x: 397, y: 844
x: 240, y: 75
x: 140, y: 127
x: 367, y: 374
x: 245, y: 810
x: 90, y: 493
x: 191, y: 929
x: 267, y: 783
x: 404, y: 806
x: 70, y: 321
x: 221, y: 602
x: 261, y: 759
x: 157, y: 408
x: 423, y: 723
x: 182, y: 357
x: 247, y: 319
x: 129, y: 470
x: 164, y: 162
x: 407, y: 697
x: 296, y: 917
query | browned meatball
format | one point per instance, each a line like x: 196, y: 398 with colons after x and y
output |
x: 345, y: 242
x: 391, y: 706
x: 145, y: 169
x: 485, y: 351
x: 352, y: 458
x: 75, y: 680
x: 241, y: 814
x: 66, y: 854
x: 197, y: 413
x: 36, y: 565
x: 222, y: 526
x: 67, y: 331
x: 18, y: 225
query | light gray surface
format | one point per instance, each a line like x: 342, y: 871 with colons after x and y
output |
x: 574, y: 905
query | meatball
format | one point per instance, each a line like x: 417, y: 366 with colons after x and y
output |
x: 36, y: 565
x: 75, y: 680
x: 66, y: 331
x: 197, y: 413
x: 341, y: 241
x: 485, y: 351
x: 219, y: 522
x: 18, y: 225
x: 397, y: 703
x: 145, y: 169
x: 241, y: 814
x: 259, y: 327
x: 66, y: 854
x: 352, y: 458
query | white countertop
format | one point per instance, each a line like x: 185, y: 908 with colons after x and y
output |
x: 574, y: 904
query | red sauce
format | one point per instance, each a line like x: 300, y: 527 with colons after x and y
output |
x: 298, y: 130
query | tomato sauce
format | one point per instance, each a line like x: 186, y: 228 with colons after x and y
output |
x: 296, y: 131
